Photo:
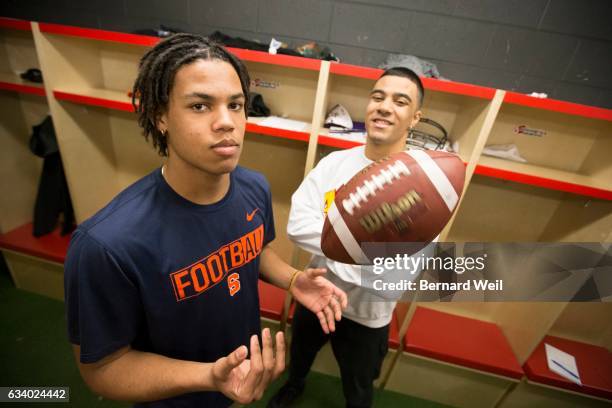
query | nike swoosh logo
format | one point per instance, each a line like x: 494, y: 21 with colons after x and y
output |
x: 250, y: 215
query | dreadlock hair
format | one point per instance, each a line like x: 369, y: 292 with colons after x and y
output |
x: 412, y: 76
x: 156, y: 72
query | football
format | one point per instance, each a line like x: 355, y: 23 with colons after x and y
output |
x: 407, y: 197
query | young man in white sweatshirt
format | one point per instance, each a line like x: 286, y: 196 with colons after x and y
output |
x: 360, y: 342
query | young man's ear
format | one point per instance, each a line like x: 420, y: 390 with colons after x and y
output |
x: 416, y: 118
x: 162, y: 123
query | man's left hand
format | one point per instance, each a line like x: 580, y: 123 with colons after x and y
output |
x: 320, y: 296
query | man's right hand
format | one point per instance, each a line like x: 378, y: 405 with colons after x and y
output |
x: 244, y: 380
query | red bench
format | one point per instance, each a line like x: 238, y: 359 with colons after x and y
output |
x: 461, y: 341
x: 271, y: 301
x: 51, y: 247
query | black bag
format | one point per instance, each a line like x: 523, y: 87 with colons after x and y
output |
x: 257, y: 107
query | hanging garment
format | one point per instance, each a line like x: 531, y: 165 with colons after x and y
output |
x: 53, y: 198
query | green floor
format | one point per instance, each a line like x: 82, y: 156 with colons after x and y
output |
x: 35, y: 352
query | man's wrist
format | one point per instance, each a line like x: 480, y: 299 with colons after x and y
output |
x: 294, y: 276
x: 208, y: 378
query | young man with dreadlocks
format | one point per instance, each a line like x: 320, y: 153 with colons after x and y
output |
x: 161, y: 284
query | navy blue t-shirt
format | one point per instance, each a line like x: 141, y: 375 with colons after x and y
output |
x: 165, y: 275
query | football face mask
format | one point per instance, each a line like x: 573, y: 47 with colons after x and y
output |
x: 427, y: 135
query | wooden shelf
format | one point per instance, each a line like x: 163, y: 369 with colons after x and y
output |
x: 51, y: 247
x: 12, y: 82
x: 17, y: 54
x: 324, y: 138
x: 544, y: 177
x: 430, y: 84
x: 594, y: 366
x: 462, y: 341
x: 289, y: 61
x: 329, y: 139
x: 458, y: 88
x: 558, y: 106
x: 254, y: 126
x: 355, y: 71
x: 104, y: 98
x: 15, y: 24
x: 100, y: 35
x: 149, y: 41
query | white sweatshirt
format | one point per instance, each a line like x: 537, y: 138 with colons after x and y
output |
x: 306, y: 219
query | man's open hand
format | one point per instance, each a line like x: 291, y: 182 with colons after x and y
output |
x: 320, y: 296
x: 244, y: 380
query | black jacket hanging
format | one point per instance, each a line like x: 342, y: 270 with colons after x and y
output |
x: 53, y: 197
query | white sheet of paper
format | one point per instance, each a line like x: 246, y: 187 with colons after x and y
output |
x: 562, y: 363
x: 282, y: 123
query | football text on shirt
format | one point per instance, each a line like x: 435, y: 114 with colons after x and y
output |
x: 213, y: 268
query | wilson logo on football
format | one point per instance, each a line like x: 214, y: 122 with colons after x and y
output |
x: 407, y: 197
